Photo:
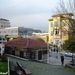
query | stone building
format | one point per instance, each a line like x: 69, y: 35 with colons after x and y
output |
x: 27, y: 48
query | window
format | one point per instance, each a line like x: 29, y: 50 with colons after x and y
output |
x: 71, y: 24
x: 57, y: 41
x: 55, y: 23
x: 62, y: 23
x: 45, y: 52
x: 4, y: 31
x: 56, y: 31
x: 64, y: 33
x: 52, y: 32
x: 51, y: 24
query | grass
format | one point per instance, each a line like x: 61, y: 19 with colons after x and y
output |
x: 3, y: 66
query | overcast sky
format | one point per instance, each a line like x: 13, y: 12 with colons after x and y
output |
x: 28, y: 13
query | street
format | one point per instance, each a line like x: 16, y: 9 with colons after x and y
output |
x: 54, y: 58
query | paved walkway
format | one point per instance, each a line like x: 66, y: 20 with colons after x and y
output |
x: 43, y: 69
x: 54, y: 59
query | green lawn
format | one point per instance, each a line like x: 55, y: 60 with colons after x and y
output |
x: 3, y: 66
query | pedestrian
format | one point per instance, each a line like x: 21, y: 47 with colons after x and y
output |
x: 57, y: 50
x: 51, y: 49
x: 54, y: 49
x: 62, y: 59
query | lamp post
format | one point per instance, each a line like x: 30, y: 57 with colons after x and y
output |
x: 2, y: 48
x: 8, y: 67
x: 48, y: 53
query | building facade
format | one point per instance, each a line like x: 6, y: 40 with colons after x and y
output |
x: 27, y: 48
x: 43, y: 36
x: 17, y: 31
x: 58, y: 28
x: 4, y: 23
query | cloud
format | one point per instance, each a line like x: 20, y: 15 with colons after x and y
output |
x: 35, y: 21
x: 17, y: 7
x: 30, y: 13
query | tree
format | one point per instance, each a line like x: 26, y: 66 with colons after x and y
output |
x: 66, y: 44
x: 6, y: 37
x: 40, y: 39
x: 67, y: 6
x: 69, y: 45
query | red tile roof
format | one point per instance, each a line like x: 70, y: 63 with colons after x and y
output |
x: 26, y: 43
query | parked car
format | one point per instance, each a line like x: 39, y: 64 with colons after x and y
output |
x: 69, y: 54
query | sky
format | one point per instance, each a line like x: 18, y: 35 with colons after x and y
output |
x: 28, y: 13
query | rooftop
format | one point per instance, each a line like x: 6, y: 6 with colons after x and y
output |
x: 63, y: 14
x: 26, y: 43
x: 4, y: 19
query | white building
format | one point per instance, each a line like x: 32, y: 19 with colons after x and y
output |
x: 4, y: 23
x: 17, y: 31
x: 6, y: 29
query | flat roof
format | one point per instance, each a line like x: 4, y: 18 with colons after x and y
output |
x: 4, y: 19
x: 71, y: 14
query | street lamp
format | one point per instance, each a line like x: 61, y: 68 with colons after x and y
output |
x: 48, y: 53
x: 2, y: 48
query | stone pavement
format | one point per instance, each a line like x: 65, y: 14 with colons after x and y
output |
x: 42, y: 68
x: 54, y: 59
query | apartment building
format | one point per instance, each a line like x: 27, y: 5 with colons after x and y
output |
x: 58, y: 28
x: 4, y: 23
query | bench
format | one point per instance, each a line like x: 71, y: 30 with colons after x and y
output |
x: 24, y: 70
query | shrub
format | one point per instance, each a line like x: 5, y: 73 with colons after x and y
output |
x: 3, y: 58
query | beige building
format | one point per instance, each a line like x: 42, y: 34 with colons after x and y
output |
x: 58, y: 28
x: 43, y: 36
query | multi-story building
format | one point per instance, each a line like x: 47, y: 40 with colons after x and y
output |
x: 17, y: 31
x: 42, y: 35
x: 58, y: 28
x: 4, y: 23
x: 13, y: 32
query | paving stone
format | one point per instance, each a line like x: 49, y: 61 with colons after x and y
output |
x: 44, y: 69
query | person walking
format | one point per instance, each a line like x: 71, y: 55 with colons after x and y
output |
x: 62, y: 59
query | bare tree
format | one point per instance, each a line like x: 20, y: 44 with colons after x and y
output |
x: 64, y: 7
x: 67, y: 6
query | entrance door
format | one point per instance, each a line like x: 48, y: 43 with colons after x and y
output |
x: 39, y: 55
x: 21, y: 54
x: 13, y: 52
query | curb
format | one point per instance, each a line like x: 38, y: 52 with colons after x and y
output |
x: 70, y: 66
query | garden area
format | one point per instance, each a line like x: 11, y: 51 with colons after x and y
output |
x: 3, y: 65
